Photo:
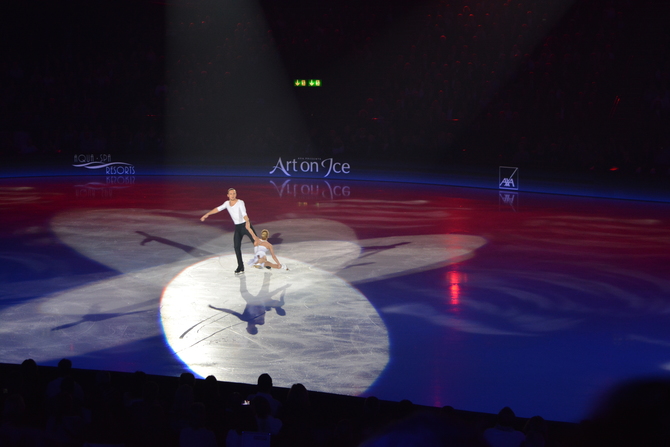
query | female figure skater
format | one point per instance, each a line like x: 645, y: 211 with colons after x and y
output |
x: 261, y: 249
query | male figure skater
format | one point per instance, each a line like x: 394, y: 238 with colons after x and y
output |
x: 238, y: 212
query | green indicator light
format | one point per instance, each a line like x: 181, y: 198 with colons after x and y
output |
x: 307, y: 82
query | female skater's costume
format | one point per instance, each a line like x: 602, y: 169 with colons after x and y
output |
x: 259, y: 252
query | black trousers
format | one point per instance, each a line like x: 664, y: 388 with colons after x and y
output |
x: 240, y: 232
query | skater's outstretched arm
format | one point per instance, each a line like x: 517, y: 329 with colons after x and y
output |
x: 272, y: 252
x: 209, y: 213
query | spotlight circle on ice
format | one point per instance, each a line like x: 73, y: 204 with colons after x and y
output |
x: 303, y: 325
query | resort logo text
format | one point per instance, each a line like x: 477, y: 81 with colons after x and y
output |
x: 104, y: 162
x: 311, y: 166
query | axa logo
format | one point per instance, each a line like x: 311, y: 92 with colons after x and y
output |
x: 311, y: 166
x: 508, y: 177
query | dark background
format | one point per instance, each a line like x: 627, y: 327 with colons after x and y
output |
x: 576, y: 90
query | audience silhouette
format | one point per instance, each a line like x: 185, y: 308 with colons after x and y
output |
x: 141, y: 410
